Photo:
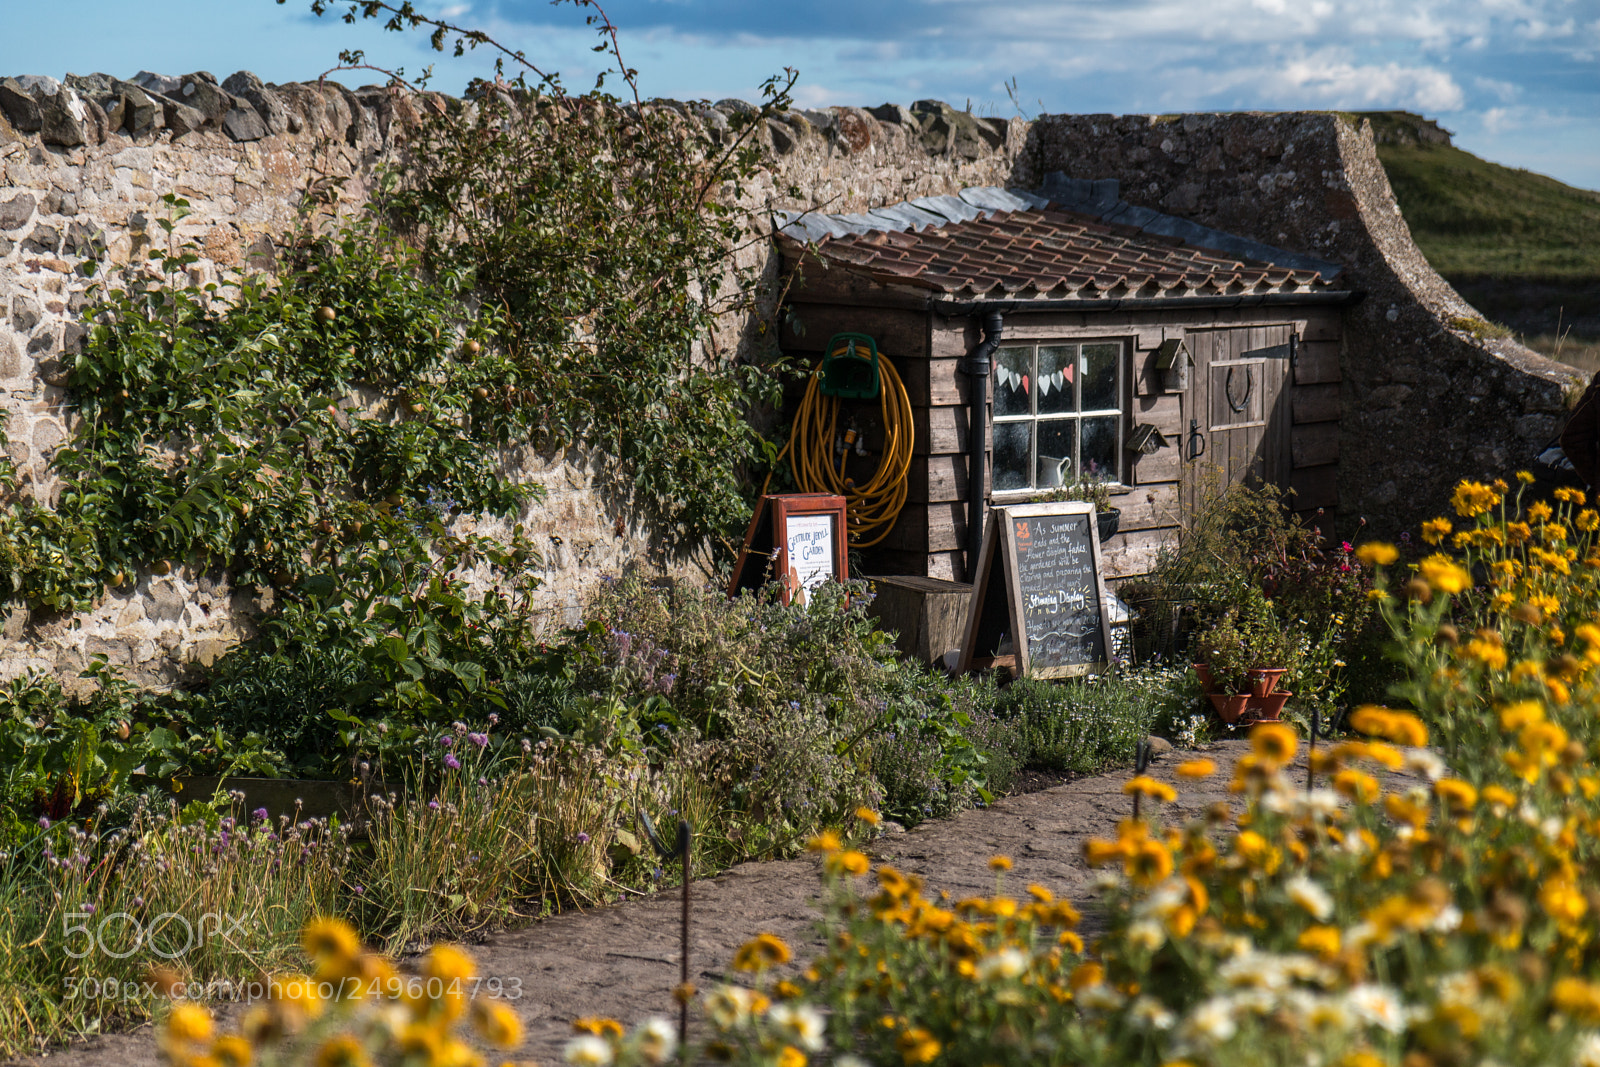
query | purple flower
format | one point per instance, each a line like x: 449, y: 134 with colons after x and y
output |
x: 433, y: 805
x: 583, y: 838
x: 483, y: 781
x: 88, y: 909
x: 447, y: 741
x: 138, y: 902
x: 359, y: 890
x: 451, y: 761
x: 478, y: 739
x: 44, y: 822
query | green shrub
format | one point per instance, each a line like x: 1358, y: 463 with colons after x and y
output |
x: 1079, y: 725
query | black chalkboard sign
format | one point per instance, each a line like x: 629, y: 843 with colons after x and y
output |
x: 1038, y: 605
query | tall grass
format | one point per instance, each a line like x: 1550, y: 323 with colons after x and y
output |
x: 86, y: 914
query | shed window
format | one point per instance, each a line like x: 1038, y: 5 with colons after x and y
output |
x: 1057, y: 413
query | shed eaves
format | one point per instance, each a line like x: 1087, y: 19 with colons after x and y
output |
x: 1072, y: 239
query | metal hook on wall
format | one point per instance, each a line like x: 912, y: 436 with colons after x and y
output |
x: 1196, y: 446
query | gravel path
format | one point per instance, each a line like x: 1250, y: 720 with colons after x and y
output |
x: 622, y: 960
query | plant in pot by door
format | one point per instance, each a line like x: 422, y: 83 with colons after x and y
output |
x: 1243, y: 656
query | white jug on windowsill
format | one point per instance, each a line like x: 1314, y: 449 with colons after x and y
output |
x: 1053, y: 471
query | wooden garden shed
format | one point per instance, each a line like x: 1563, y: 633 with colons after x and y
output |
x: 1072, y: 329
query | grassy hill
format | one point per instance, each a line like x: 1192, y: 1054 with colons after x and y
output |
x: 1523, y: 248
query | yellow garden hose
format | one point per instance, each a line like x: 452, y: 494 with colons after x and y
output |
x: 871, y: 509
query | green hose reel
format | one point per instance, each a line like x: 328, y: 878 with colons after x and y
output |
x: 847, y: 370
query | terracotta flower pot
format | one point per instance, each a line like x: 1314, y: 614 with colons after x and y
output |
x: 1208, y: 681
x: 1265, y: 709
x: 1229, y: 706
x: 1264, y: 681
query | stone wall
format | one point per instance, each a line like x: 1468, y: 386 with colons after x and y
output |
x: 1428, y: 398
x: 83, y: 166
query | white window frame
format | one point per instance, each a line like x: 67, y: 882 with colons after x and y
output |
x: 1121, y: 411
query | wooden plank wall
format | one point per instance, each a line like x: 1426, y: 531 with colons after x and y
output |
x: 927, y: 351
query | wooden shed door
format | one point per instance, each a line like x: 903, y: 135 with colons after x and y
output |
x: 1239, y: 404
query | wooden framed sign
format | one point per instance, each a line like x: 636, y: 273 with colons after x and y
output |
x: 1038, y: 605
x: 798, y: 538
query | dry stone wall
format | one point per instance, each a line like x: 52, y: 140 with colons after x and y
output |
x: 85, y: 161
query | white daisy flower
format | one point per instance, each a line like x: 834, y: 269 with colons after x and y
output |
x: 1378, y: 1006
x: 588, y: 1051
x: 1310, y: 896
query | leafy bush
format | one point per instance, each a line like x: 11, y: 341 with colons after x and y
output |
x: 1081, y: 725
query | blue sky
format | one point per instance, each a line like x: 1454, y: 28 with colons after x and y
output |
x: 1517, y: 80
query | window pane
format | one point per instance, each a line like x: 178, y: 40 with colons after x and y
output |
x: 1099, y: 367
x: 1011, y: 454
x: 1055, y: 452
x: 1099, y: 455
x: 1055, y: 379
x: 1013, y: 373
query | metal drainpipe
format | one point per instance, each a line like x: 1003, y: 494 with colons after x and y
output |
x: 978, y: 436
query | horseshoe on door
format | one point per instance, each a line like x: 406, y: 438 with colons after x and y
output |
x: 1243, y: 402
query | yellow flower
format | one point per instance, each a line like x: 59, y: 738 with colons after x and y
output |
x: 1436, y: 530
x: 1577, y: 998
x: 1147, y: 862
x: 1588, y: 520
x: 1320, y: 941
x: 1445, y: 574
x: 868, y: 816
x: 1515, y: 716
x: 761, y: 952
x: 341, y: 1050
x: 827, y: 841
x: 1539, y: 512
x: 1472, y: 499
x: 188, y: 1024
x: 1274, y: 742
x: 1086, y: 974
x: 1196, y: 768
x: 497, y: 1023
x: 1458, y: 796
x: 918, y: 1046
x: 1377, y: 553
x: 999, y: 863
x: 850, y: 862
x: 1144, y: 785
x: 789, y: 1056
x: 1356, y: 785
x: 598, y: 1025
x: 448, y: 963
x: 328, y: 939
x: 1487, y: 648
x: 232, y: 1050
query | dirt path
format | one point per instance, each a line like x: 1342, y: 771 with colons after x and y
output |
x: 622, y: 960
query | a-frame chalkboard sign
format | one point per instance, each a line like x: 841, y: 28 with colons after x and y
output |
x: 1038, y: 604
x: 796, y: 538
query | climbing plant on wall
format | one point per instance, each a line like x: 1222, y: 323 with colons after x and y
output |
x: 543, y: 269
x: 269, y: 425
x: 604, y: 230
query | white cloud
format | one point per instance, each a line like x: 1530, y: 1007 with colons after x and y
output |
x: 1504, y: 91
x: 1325, y: 79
